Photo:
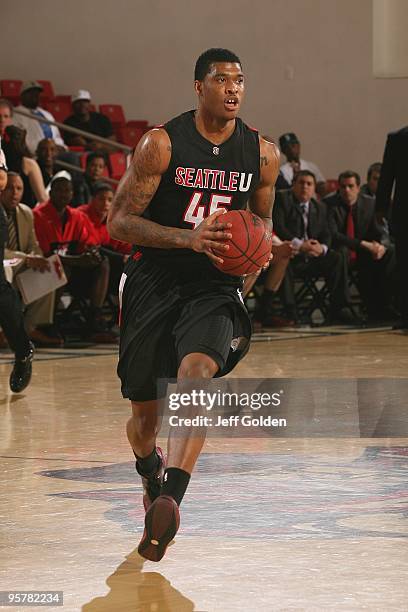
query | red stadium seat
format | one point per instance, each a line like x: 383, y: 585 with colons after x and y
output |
x: 47, y: 92
x: 63, y: 98
x: 10, y: 89
x: 138, y: 123
x: 129, y: 136
x: 114, y: 112
x: 60, y: 110
x: 117, y: 163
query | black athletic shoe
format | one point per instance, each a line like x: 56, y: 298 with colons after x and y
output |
x: 162, y: 521
x: 21, y: 373
x: 152, y: 482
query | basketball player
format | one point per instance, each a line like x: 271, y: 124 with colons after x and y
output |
x: 180, y: 314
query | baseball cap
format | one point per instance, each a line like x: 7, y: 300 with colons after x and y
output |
x: 288, y: 138
x: 62, y: 174
x: 31, y: 85
x: 81, y: 94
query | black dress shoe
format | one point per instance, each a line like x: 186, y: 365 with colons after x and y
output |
x: 21, y: 373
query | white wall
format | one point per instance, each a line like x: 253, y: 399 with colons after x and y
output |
x: 141, y: 53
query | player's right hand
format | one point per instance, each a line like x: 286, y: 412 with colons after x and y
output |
x: 211, y: 236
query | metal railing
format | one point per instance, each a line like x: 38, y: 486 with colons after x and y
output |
x: 68, y: 128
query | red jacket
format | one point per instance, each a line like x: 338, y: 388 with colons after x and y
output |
x: 100, y: 231
x: 49, y: 230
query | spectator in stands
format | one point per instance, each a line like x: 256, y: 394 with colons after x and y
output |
x: 97, y: 211
x: 94, y: 171
x: 370, y: 189
x: 46, y: 155
x: 65, y: 230
x: 11, y: 316
x: 373, y: 176
x: 36, y: 131
x: 19, y: 160
x: 290, y: 147
x: 265, y: 313
x: 22, y: 244
x: 6, y: 115
x: 87, y: 120
x: 281, y: 182
x: 48, y: 159
x: 298, y: 217
x: 356, y: 232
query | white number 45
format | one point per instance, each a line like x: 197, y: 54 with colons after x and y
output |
x: 196, y: 212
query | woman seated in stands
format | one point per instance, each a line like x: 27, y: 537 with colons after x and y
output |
x: 95, y: 170
x: 6, y: 115
x: 19, y: 160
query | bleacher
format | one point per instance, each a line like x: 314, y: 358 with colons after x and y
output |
x: 127, y: 132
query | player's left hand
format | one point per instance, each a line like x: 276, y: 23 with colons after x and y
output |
x: 210, y: 237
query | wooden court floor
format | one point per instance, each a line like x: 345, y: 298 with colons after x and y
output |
x: 272, y: 523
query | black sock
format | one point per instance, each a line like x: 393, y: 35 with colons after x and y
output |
x: 149, y: 464
x: 175, y: 483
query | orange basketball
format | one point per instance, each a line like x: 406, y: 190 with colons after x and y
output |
x: 249, y: 247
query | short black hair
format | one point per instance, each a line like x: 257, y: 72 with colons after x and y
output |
x: 101, y: 186
x: 376, y: 167
x: 210, y: 56
x: 349, y: 174
x: 304, y: 173
x: 96, y: 155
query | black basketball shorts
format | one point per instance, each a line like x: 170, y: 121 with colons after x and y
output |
x: 163, y: 320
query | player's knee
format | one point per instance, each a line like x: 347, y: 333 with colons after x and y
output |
x: 197, y: 365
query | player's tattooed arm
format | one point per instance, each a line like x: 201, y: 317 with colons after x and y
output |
x: 263, y: 198
x: 134, y: 194
x: 136, y: 190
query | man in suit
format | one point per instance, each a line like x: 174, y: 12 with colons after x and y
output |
x: 22, y: 244
x: 300, y: 218
x: 11, y: 316
x: 394, y: 172
x: 356, y: 232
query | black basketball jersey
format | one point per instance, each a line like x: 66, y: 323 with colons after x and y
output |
x: 201, y: 179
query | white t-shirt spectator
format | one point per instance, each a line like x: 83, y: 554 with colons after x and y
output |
x: 35, y: 132
x: 287, y: 170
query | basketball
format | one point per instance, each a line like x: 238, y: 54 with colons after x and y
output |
x: 250, y: 246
